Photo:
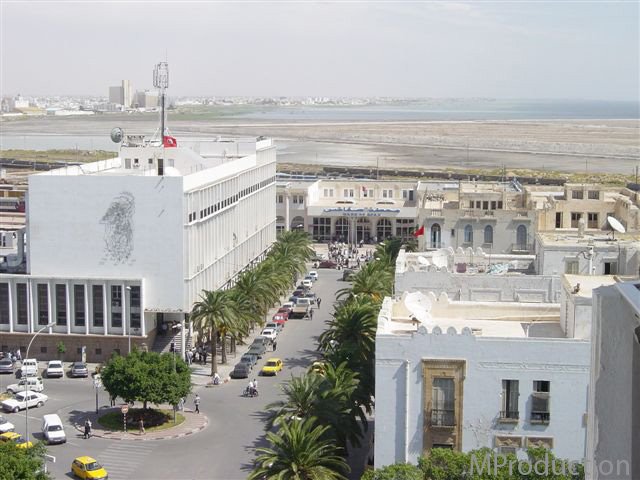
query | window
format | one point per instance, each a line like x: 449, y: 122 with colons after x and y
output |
x: 4, y: 305
x: 348, y: 193
x: 98, y: 351
x: 21, y: 298
x: 405, y: 227
x: 295, y: 199
x: 571, y: 266
x: 387, y: 193
x: 577, y: 194
x: 135, y: 307
x: 485, y: 205
x: 575, y: 219
x: 442, y: 397
x: 593, y: 195
x: 540, y: 402
x: 478, y: 204
x: 493, y: 205
x: 61, y: 304
x: 488, y: 235
x: 407, y: 195
x: 43, y: 349
x: 468, y: 234
x: 610, y: 268
x: 116, y: 306
x: 558, y: 219
x: 592, y: 220
x: 470, y: 203
x: 321, y: 228
x: 499, y: 204
x: 98, y: 305
x: 510, y: 396
x: 328, y: 192
x: 78, y: 305
x: 43, y: 304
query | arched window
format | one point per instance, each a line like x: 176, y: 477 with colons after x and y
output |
x: 436, y: 239
x: 297, y: 223
x: 521, y: 237
x: 488, y: 234
x: 468, y: 234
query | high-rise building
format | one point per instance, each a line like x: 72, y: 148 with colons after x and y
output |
x: 116, y: 95
x: 127, y: 93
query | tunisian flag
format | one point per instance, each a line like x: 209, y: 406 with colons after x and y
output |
x: 419, y: 232
x: 168, y: 141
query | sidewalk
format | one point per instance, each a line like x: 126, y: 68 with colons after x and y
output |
x: 193, y: 423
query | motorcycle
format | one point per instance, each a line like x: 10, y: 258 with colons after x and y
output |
x: 250, y: 392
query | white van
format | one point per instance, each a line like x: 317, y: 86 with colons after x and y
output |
x: 52, y: 429
x: 29, y: 367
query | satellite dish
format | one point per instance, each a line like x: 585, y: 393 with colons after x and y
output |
x: 117, y: 134
x: 423, y: 261
x: 616, y: 225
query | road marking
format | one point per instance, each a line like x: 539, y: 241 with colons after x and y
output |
x: 121, y: 460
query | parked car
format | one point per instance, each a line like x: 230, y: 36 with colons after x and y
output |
x: 310, y: 295
x: 275, y: 326
x: 257, y: 349
x: 284, y: 311
x: 307, y: 283
x: 54, y: 369
x: 280, y: 319
x: 29, y: 367
x: 78, y: 369
x: 15, y: 438
x: 241, y: 370
x: 260, y: 340
x: 269, y: 333
x: 327, y: 264
x: 52, y: 429
x: 6, y: 365
x: 22, y: 399
x: 286, y: 306
x: 33, y: 383
x: 314, y: 274
x: 272, y: 367
x: 298, y: 293
x: 87, y: 468
x: 6, y: 425
x: 250, y: 359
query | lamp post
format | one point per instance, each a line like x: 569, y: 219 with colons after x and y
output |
x: 26, y: 391
x: 97, y: 384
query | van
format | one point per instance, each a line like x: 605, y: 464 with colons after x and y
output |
x: 52, y: 429
x: 29, y: 367
x: 303, y: 302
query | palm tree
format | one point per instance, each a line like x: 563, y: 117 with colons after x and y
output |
x: 302, y: 398
x: 217, y: 311
x: 374, y: 280
x: 298, y: 452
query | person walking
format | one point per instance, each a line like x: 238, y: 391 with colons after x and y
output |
x: 87, y: 428
x: 141, y: 426
x: 318, y: 300
x: 311, y: 314
x: 275, y: 344
x: 196, y: 402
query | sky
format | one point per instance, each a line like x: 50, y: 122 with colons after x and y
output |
x: 509, y: 49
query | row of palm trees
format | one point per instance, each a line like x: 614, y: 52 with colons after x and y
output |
x: 233, y: 312
x: 324, y: 412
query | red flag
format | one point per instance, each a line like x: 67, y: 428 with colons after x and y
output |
x: 419, y: 232
x: 169, y: 141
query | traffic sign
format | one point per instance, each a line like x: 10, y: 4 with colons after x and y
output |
x: 124, y: 409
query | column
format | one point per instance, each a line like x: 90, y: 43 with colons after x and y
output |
x: 87, y: 317
x: 12, y: 317
x: 50, y: 312
x: 30, y: 308
x: 125, y: 326
x: 143, y: 323
x: 106, y: 316
x: 287, y: 215
x: 183, y: 338
x: 68, y: 299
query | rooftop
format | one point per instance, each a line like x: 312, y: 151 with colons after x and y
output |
x: 439, y: 314
x: 588, y: 283
x: 467, y: 261
x: 601, y: 238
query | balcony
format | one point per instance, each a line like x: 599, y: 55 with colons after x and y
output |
x: 540, y: 418
x: 443, y: 418
x: 509, y: 416
x: 524, y: 248
x: 436, y: 214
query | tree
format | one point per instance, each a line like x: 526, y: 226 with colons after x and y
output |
x: 22, y: 463
x: 374, y: 280
x: 298, y: 452
x: 398, y: 471
x: 217, y: 312
x: 147, y: 377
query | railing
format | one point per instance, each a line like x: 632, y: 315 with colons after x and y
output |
x: 521, y: 247
x: 435, y: 245
x: 509, y: 415
x: 443, y: 418
x: 540, y: 417
x: 436, y: 213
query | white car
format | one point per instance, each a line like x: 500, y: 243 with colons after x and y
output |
x: 313, y: 274
x: 269, y: 333
x: 274, y: 326
x: 307, y: 283
x: 6, y: 425
x: 55, y: 369
x: 35, y: 385
x: 29, y: 367
x: 24, y: 399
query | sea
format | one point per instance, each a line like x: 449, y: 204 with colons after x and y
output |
x: 454, y: 110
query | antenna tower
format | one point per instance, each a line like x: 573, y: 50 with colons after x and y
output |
x: 161, y: 82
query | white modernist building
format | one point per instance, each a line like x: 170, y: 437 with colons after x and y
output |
x: 465, y: 374
x: 119, y: 246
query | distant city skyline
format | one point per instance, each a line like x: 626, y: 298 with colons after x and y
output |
x: 532, y: 50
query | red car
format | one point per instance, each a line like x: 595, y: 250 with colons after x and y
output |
x: 280, y: 319
x: 328, y: 264
x: 284, y: 312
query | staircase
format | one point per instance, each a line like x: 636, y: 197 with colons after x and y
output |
x: 162, y: 343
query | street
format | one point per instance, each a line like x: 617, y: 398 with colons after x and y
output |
x: 224, y: 450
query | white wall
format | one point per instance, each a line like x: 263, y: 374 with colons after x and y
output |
x: 565, y: 363
x: 69, y: 225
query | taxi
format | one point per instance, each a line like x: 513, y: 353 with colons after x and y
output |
x: 272, y: 367
x: 87, y: 467
x: 15, y: 438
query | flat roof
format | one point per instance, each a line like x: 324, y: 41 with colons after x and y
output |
x: 588, y: 283
x: 600, y: 238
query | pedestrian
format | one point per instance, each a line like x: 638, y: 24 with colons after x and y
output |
x: 318, y: 300
x: 196, y: 402
x: 172, y: 348
x: 141, y: 426
x: 87, y: 428
x: 204, y: 357
x: 311, y: 314
x: 189, y: 357
x: 255, y: 385
x: 275, y: 344
x: 113, y: 401
x: 199, y: 352
x: 181, y: 404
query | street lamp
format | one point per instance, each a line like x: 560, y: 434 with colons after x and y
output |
x: 97, y: 383
x: 26, y: 391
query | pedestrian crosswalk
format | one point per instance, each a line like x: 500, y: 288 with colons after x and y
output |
x: 121, y: 459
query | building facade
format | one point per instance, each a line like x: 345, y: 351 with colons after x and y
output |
x: 117, y: 247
